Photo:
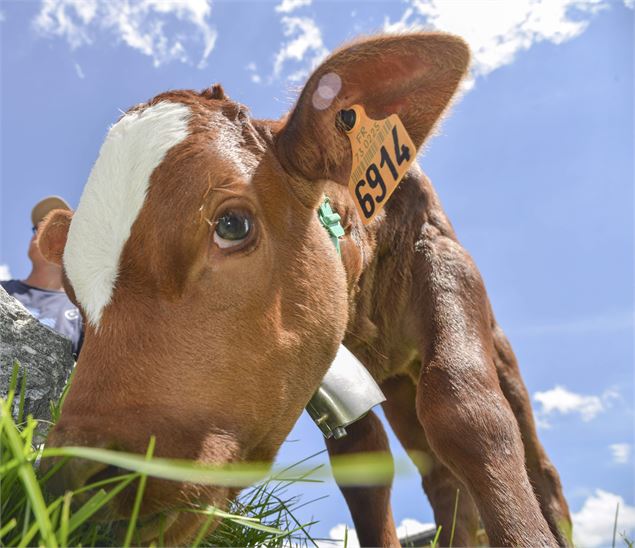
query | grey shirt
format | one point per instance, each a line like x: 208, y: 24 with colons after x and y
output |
x: 52, y: 308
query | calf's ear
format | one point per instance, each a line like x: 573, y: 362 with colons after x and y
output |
x: 413, y: 76
x: 52, y: 234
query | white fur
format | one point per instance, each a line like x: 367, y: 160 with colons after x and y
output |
x: 113, y: 197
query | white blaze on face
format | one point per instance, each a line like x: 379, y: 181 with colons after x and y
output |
x: 113, y: 197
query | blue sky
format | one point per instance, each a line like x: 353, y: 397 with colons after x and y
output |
x: 534, y: 167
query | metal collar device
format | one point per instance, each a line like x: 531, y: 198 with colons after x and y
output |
x: 346, y: 394
x: 347, y: 391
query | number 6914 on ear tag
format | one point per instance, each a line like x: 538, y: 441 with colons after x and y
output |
x: 382, y: 153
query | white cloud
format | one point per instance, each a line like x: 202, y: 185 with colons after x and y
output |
x: 562, y: 401
x: 79, y: 71
x: 407, y: 527
x: 3, y: 17
x: 593, y: 524
x: 337, y: 535
x: 253, y: 73
x: 140, y: 24
x: 287, y: 6
x: 5, y: 273
x: 630, y: 4
x: 497, y: 30
x: 621, y: 452
x: 304, y: 47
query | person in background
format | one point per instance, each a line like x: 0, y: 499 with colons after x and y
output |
x: 42, y: 292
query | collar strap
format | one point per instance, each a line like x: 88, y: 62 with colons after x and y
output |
x: 330, y: 220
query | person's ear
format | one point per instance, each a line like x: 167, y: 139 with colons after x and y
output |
x: 52, y: 234
x: 413, y: 76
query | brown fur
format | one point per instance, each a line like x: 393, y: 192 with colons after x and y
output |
x: 216, y: 352
x: 51, y: 243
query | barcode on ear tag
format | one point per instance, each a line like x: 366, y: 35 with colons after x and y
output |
x: 382, y: 153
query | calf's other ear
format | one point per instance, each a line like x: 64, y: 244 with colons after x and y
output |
x: 51, y: 236
x: 413, y: 76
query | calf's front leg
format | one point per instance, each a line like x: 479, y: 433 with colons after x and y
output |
x: 369, y: 506
x: 467, y: 420
x: 542, y: 474
x: 439, y: 483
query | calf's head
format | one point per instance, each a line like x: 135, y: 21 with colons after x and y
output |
x: 213, y: 299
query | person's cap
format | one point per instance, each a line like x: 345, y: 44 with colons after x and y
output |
x: 45, y: 206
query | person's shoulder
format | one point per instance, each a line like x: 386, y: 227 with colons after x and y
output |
x: 10, y: 285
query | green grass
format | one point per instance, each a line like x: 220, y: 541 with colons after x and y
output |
x: 262, y: 514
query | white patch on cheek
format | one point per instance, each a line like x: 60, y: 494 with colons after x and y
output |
x: 113, y: 197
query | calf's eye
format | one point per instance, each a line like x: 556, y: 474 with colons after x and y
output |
x: 232, y: 229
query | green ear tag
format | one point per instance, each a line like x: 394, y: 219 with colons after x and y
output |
x: 331, y: 221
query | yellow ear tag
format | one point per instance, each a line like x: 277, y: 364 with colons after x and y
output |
x: 382, y: 153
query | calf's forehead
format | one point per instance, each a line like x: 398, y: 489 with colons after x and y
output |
x: 113, y: 197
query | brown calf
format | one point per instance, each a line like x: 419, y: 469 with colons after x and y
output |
x: 214, y: 301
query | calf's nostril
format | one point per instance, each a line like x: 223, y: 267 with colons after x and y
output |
x: 73, y: 475
x: 106, y: 473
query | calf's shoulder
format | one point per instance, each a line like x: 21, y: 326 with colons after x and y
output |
x: 383, y: 266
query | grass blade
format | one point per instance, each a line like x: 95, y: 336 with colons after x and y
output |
x: 28, y: 534
x: 66, y: 506
x: 6, y: 468
x: 435, y: 540
x: 138, y: 497
x: 233, y: 475
x: 13, y: 382
x: 202, y: 532
x: 54, y: 469
x: 456, y: 507
x: 252, y: 524
x: 217, y: 512
x: 617, y: 511
x: 98, y: 500
x: 22, y: 397
x: 92, y: 505
x: 7, y: 527
x: 27, y: 435
x: 27, y: 476
x: 27, y: 519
